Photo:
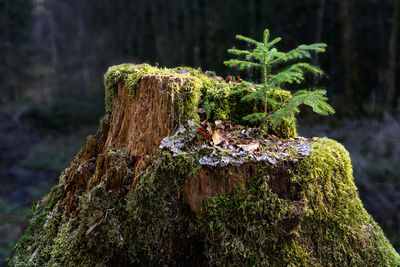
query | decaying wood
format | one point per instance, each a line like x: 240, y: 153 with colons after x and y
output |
x: 137, y: 124
x: 214, y: 182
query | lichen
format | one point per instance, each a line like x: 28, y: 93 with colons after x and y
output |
x: 185, y: 141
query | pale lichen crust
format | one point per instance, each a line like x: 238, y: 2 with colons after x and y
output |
x: 246, y: 145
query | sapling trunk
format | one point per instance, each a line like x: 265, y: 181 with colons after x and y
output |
x: 265, y: 85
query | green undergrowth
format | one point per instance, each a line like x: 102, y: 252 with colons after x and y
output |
x: 300, y: 214
x: 220, y: 100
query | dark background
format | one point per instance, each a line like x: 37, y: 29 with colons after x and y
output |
x: 53, y: 54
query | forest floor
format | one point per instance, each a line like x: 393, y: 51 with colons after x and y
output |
x: 31, y: 160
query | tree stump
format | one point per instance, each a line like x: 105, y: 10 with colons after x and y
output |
x: 148, y: 189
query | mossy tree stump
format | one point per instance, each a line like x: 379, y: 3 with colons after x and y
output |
x: 125, y: 202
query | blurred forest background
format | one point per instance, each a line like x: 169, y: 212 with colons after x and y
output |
x: 53, y: 54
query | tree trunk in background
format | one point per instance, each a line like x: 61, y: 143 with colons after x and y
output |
x: 344, y: 17
x: 255, y: 14
x: 320, y: 21
x: 391, y: 100
x: 332, y: 49
x: 318, y: 34
x: 53, y: 43
x: 349, y: 53
x: 15, y: 44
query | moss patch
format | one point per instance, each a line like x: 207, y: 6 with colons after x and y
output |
x: 322, y: 223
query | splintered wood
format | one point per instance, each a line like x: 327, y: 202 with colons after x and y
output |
x: 136, y: 124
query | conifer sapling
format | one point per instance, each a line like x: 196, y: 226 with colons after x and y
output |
x: 280, y: 68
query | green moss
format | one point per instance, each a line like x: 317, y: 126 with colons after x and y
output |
x: 55, y: 238
x: 287, y: 128
x: 91, y: 237
x: 114, y: 231
x: 131, y: 74
x: 155, y: 208
x: 346, y: 230
x: 322, y: 222
x: 32, y: 247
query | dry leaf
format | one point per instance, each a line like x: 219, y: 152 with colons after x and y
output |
x: 209, y: 129
x: 218, y: 122
x: 219, y: 136
x: 201, y: 110
x: 206, y: 126
x: 246, y: 142
x: 203, y: 132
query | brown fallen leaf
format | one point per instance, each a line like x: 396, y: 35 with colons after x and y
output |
x: 209, y: 129
x: 206, y: 126
x: 217, y: 122
x: 201, y: 110
x: 203, y: 132
x: 246, y: 142
x: 219, y: 136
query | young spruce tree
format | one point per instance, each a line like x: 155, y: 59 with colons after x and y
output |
x: 280, y: 68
